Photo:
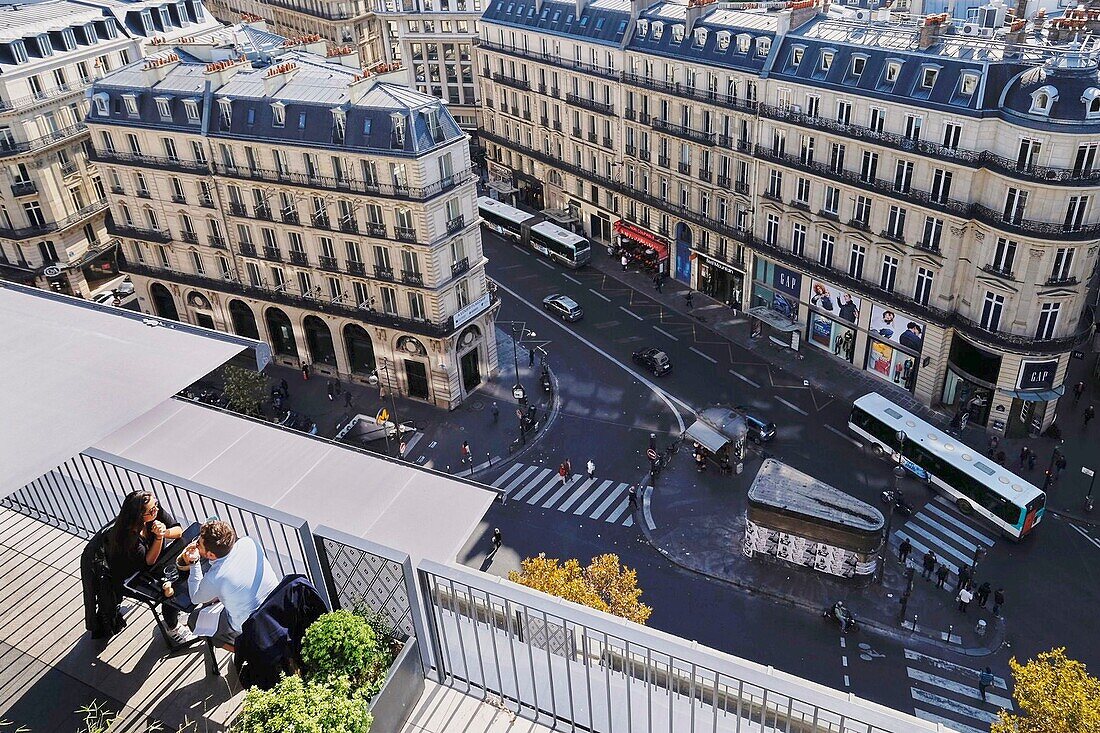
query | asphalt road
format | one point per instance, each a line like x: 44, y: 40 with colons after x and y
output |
x: 608, y: 410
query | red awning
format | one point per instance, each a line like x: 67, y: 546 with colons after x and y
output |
x: 636, y: 233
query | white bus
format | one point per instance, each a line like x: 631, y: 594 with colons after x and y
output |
x: 976, y: 484
x: 535, y: 231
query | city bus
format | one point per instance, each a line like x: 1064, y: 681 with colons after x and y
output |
x: 536, y: 232
x: 976, y: 484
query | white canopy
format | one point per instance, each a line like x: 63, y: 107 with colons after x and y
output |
x: 72, y: 372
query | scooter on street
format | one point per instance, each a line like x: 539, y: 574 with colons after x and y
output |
x: 839, y: 614
x: 901, y: 506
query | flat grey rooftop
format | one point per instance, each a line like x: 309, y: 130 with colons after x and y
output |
x: 778, y: 486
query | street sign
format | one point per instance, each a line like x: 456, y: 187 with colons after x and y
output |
x: 52, y: 271
x: 1077, y: 354
x: 382, y: 416
x: 1087, y: 471
x: 652, y: 454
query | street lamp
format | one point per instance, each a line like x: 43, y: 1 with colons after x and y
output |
x: 373, y: 381
x: 518, y: 392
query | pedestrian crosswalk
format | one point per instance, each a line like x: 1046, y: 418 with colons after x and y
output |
x: 939, y: 527
x: 595, y: 498
x: 947, y: 693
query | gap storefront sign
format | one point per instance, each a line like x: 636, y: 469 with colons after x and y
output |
x: 777, y: 288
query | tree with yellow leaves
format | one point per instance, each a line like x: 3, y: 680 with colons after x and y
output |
x: 605, y: 584
x: 1056, y: 695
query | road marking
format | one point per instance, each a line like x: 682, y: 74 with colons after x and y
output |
x: 533, y: 483
x: 515, y: 467
x: 519, y: 480
x: 745, y: 379
x: 920, y: 548
x: 666, y: 333
x: 958, y: 688
x: 946, y: 531
x: 617, y: 494
x: 599, y: 294
x: 592, y: 498
x: 711, y: 359
x: 535, y: 498
x: 846, y: 682
x: 561, y: 492
x: 796, y: 408
x: 844, y: 660
x: 646, y: 514
x: 960, y: 524
x: 945, y: 666
x: 631, y: 313
x: 843, y: 642
x: 547, y: 265
x: 571, y: 278
x: 517, y: 248
x: 952, y: 705
x: 851, y: 440
x: 629, y: 521
x: 949, y: 724
x: 1085, y: 535
x: 583, y: 491
x: 940, y: 547
x: 614, y: 516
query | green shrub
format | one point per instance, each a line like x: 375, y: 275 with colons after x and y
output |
x: 298, y: 706
x: 340, y: 644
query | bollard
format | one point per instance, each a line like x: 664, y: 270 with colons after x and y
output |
x: 980, y: 628
x: 950, y: 629
x: 489, y: 458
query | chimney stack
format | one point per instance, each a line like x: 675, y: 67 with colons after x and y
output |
x: 277, y: 77
x: 156, y: 68
x: 637, y: 7
x: 931, y: 30
x: 696, y: 9
x: 219, y: 72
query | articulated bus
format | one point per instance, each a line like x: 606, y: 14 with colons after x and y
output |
x: 976, y: 484
x: 536, y: 232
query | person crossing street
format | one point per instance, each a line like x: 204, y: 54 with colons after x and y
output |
x: 591, y: 469
x: 985, y: 679
x: 941, y: 575
x: 928, y: 565
x: 904, y: 550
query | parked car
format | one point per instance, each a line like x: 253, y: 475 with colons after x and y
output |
x: 126, y: 287
x: 106, y: 298
x: 760, y: 430
x: 563, y: 306
x: 654, y: 360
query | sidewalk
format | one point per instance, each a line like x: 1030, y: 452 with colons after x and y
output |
x: 1065, y: 497
x: 700, y: 525
x: 440, y: 433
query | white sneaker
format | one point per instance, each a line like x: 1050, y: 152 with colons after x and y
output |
x: 181, y: 635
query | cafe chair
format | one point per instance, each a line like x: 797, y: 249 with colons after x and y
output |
x: 270, y: 642
x: 102, y: 592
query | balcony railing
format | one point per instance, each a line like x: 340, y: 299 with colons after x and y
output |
x: 136, y: 232
x: 320, y: 221
x: 328, y: 263
x: 344, y: 184
x: 45, y: 141
x: 686, y: 133
x: 690, y: 92
x: 405, y: 234
x: 375, y: 229
x: 272, y: 253
x: 460, y: 267
x: 350, y: 226
x: 456, y: 224
x: 262, y: 212
x: 247, y: 249
x: 29, y: 100
x: 150, y: 161
x: 357, y: 268
x: 238, y: 209
x: 511, y: 81
x: 299, y: 258
x: 290, y: 217
x: 998, y: 271
x: 383, y: 273
x: 217, y: 242
x: 556, y: 60
x: 189, y: 237
x: 684, y: 168
x: 1062, y: 280
x: 68, y: 169
x: 412, y: 277
x: 24, y: 188
x: 590, y: 104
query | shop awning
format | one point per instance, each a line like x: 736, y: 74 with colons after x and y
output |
x: 502, y: 187
x: 1035, y: 395
x: 773, y: 319
x: 706, y: 436
x: 641, y: 236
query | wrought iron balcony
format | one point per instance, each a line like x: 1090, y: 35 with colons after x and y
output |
x: 405, y: 234
x: 139, y: 160
x: 456, y: 224
x: 299, y: 258
x: 349, y: 225
x: 685, y: 133
x: 328, y: 263
x: 1061, y: 280
x: 590, y: 104
x: 320, y: 221
x: 8, y: 148
x: 412, y: 277
x: 247, y: 249
x: 375, y: 229
x: 460, y: 267
x: 217, y: 242
x: 663, y: 161
x: 262, y: 212
x: 272, y: 253
x: 136, y: 232
x: 207, y: 202
x: 998, y: 270
x: 861, y: 224
x: 238, y: 209
x: 144, y: 193
x: 290, y: 217
x: 24, y: 188
x: 356, y: 268
x: 347, y: 185
x: 556, y: 60
x: 177, y: 199
x: 383, y: 273
x: 510, y: 81
x: 898, y: 237
x: 189, y: 237
x: 705, y: 174
x: 631, y: 150
x: 68, y: 169
x: 684, y: 168
x: 724, y: 182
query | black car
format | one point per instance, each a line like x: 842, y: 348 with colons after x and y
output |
x: 760, y: 431
x: 563, y: 306
x: 654, y: 360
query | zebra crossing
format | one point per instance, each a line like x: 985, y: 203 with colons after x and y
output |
x: 601, y: 499
x: 939, y: 527
x: 947, y: 693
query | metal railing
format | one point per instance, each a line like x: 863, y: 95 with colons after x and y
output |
x: 29, y: 100
x: 48, y: 227
x: 178, y: 165
x: 346, y: 185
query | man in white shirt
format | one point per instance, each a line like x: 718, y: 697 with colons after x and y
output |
x: 239, y: 577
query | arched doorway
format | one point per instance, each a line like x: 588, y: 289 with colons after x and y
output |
x: 360, y: 349
x: 282, y: 333
x: 683, y: 252
x: 470, y: 362
x: 319, y: 340
x: 416, y: 372
x: 163, y: 302
x: 244, y: 320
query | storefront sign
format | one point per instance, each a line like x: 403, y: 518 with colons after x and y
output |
x: 788, y: 281
x: 498, y: 173
x: 1037, y: 374
x: 719, y: 265
x: 896, y: 328
x: 834, y: 301
x: 471, y: 310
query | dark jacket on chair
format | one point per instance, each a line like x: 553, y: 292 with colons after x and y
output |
x: 270, y: 642
x: 102, y: 592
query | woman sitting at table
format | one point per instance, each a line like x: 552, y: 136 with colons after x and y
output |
x: 140, y: 532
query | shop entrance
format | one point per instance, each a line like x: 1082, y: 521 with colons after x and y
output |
x: 471, y: 370
x: 722, y: 285
x: 416, y: 375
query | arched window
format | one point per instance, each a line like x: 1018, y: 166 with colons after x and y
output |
x: 1042, y: 99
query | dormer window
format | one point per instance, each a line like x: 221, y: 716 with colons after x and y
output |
x: 968, y: 84
x: 743, y: 41
x: 19, y: 51
x: 796, y: 55
x: 700, y: 37
x: 164, y: 108
x: 102, y: 106
x: 130, y: 100
x: 45, y: 48
x: 90, y: 35
x: 1042, y: 100
x: 398, y: 122
x: 68, y: 38
x: 893, y: 71
x: 826, y: 60
x: 643, y: 27
x: 928, y: 78
x: 658, y: 30
x: 677, y: 33
x: 147, y: 21
x: 431, y: 117
x: 1091, y: 98
x: 339, y: 123
x: 859, y: 63
x: 723, y: 40
x: 226, y: 108
x: 278, y: 114
x: 191, y: 107
x: 763, y: 46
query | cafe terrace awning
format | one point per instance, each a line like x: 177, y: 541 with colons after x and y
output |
x: 773, y: 319
x: 641, y: 236
x: 706, y: 436
x: 1035, y: 395
x: 74, y: 372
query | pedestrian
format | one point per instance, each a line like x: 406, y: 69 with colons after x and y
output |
x: 328, y: 391
x: 998, y: 601
x: 941, y: 575
x: 563, y: 473
x: 496, y: 412
x: 983, y: 593
x: 904, y: 550
x: 1060, y: 463
x: 993, y: 441
x: 929, y: 564
x: 965, y: 596
x: 1090, y: 413
x: 985, y: 679
x: 347, y: 399
x: 690, y: 300
x: 568, y: 468
x: 1031, y: 461
x: 632, y: 495
x: 285, y: 387
x: 1078, y: 390
x: 467, y: 457
x: 1024, y: 453
x: 497, y: 540
x: 305, y: 372
x: 624, y: 261
x: 1001, y: 458
x: 964, y: 577
x: 591, y: 469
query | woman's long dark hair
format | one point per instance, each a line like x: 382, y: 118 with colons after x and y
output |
x: 131, y: 516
